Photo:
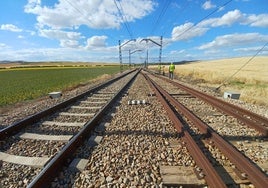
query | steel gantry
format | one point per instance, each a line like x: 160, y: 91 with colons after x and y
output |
x: 129, y: 55
x: 160, y: 50
x: 120, y: 51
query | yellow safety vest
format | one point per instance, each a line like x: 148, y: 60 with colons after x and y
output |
x: 171, y: 68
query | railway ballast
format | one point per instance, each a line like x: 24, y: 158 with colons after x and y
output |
x: 154, y: 134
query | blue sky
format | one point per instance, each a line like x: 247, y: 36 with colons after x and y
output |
x: 89, y: 30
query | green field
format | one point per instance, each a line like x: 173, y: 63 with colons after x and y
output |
x: 23, y: 84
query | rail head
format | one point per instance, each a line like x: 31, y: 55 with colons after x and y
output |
x: 49, y: 171
x: 211, y: 176
x: 260, y: 125
x: 255, y: 175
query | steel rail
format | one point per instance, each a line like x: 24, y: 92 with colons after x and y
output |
x: 211, y: 176
x: 49, y: 171
x: 251, y: 119
x: 254, y: 174
x: 17, y: 126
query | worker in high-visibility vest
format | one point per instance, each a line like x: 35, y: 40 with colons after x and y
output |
x: 171, y: 70
x: 159, y: 69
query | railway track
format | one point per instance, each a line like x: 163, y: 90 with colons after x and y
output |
x: 242, y: 167
x: 148, y: 139
x: 247, y: 139
x: 250, y: 119
x: 44, y: 141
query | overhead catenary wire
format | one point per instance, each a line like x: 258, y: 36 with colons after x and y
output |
x: 84, y: 15
x: 178, y: 12
x: 217, y: 9
x: 183, y: 9
x: 238, y: 70
x: 121, y: 13
x: 126, y: 21
x: 161, y: 15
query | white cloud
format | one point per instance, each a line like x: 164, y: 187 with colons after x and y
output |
x: 96, y: 42
x: 176, y: 52
x: 35, y: 54
x: 31, y: 32
x: 31, y: 5
x: 228, y: 19
x: 187, y: 31
x: 2, y: 45
x: 250, y: 49
x: 10, y: 27
x: 58, y: 54
x: 58, y: 34
x: 69, y: 43
x: 258, y: 20
x: 136, y: 9
x: 67, y: 39
x: 95, y: 14
x: 234, y: 40
x: 53, y: 21
x: 236, y: 16
x: 208, y: 5
x: 21, y: 37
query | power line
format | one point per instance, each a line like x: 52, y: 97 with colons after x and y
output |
x: 218, y: 8
x: 227, y: 80
x: 178, y: 12
x: 166, y: 5
x: 126, y: 21
x: 123, y: 18
x: 161, y: 15
x: 84, y: 15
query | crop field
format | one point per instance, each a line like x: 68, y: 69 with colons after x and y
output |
x: 21, y: 84
x: 217, y: 71
x: 235, y: 74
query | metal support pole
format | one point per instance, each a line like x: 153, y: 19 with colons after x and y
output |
x: 120, y: 52
x: 129, y: 58
x: 160, y: 51
x: 132, y: 52
x: 147, y: 59
x: 120, y: 56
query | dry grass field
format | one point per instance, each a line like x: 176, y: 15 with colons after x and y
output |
x: 250, y: 79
